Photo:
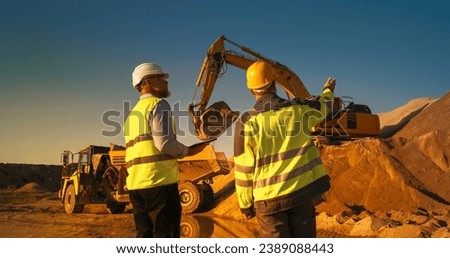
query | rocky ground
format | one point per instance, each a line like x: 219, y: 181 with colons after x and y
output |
x: 33, y: 212
x: 394, y: 186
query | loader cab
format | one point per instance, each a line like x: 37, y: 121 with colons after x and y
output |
x: 84, y: 162
x: 86, y: 156
x: 66, y: 157
x: 87, y: 180
x: 69, y: 165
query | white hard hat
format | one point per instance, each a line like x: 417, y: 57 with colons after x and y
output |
x: 145, y: 69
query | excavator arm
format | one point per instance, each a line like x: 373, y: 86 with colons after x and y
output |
x: 218, y: 56
x: 211, y: 122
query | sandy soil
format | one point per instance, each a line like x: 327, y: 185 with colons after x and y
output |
x: 33, y: 212
x: 393, y: 186
x: 41, y: 215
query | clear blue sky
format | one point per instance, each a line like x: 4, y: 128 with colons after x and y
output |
x: 63, y: 64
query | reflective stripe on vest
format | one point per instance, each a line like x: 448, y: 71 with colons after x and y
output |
x: 147, y: 166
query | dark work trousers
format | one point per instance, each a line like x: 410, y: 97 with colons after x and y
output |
x: 157, y: 211
x: 299, y: 221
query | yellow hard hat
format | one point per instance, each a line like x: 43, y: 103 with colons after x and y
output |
x: 260, y: 74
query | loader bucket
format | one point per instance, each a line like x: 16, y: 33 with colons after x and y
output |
x: 214, y: 121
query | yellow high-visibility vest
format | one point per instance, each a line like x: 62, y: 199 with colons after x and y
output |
x: 147, y: 166
x: 274, y: 153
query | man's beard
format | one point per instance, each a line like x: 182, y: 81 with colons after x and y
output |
x: 161, y: 93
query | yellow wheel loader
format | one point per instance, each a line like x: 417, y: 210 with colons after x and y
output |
x: 89, y: 177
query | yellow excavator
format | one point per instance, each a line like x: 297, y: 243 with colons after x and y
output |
x: 344, y: 122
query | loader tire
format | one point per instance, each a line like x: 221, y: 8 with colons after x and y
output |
x: 112, y: 177
x: 115, y: 207
x: 191, y: 196
x: 70, y: 201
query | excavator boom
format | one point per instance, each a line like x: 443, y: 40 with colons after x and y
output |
x: 210, y: 122
x: 217, y: 56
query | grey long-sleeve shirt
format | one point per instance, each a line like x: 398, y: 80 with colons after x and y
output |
x: 163, y: 132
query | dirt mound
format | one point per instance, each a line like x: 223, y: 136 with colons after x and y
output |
x: 431, y: 119
x: 433, y: 146
x: 392, y: 121
x: 400, y: 175
x: 420, y: 223
x: 427, y: 159
x: 32, y: 188
x: 407, y: 172
x: 18, y: 175
x: 370, y: 175
x: 378, y: 189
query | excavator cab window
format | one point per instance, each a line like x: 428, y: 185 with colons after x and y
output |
x: 347, y: 101
x: 357, y: 108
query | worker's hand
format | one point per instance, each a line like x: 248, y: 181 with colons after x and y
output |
x: 248, y: 212
x: 330, y: 83
x: 192, y: 150
x: 198, y: 147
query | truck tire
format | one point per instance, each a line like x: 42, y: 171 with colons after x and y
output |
x: 191, y: 196
x: 196, y: 227
x: 115, y: 207
x: 208, y: 195
x: 111, y: 177
x: 70, y: 201
x: 189, y: 227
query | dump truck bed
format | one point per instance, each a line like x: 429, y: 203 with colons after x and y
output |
x: 196, y: 176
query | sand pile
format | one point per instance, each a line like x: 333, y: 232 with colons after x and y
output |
x: 432, y: 118
x: 392, y: 121
x: 18, y: 175
x: 32, y: 188
x: 374, y: 175
x: 407, y: 172
x: 401, y: 180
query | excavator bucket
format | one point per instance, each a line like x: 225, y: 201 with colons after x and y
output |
x: 214, y: 121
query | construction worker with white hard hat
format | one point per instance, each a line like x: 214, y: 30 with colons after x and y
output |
x: 151, y: 156
x: 278, y: 169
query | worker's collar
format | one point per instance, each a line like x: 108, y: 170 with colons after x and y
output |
x: 266, y: 97
x: 147, y: 95
x: 270, y: 101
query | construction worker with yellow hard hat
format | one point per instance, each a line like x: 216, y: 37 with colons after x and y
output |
x: 151, y: 156
x: 278, y: 169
